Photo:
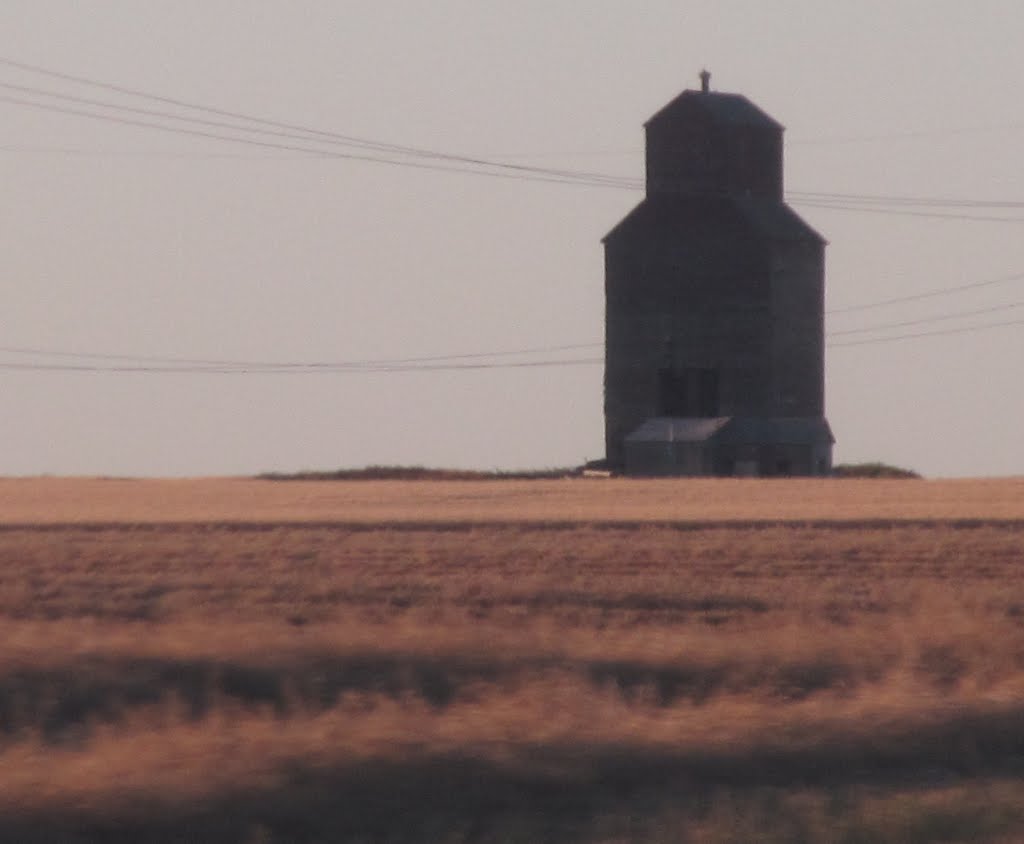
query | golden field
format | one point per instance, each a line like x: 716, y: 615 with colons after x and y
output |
x: 50, y: 500
x: 573, y: 660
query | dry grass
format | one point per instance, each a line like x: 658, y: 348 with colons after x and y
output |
x: 52, y: 500
x: 719, y: 669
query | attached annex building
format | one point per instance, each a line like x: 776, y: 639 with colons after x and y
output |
x: 714, y: 288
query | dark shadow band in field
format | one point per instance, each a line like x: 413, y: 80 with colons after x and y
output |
x: 549, y: 793
x: 61, y: 700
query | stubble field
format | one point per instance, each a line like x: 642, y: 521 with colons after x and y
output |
x: 584, y: 660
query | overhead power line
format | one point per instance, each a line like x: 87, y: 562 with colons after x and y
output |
x: 323, y: 153
x: 905, y: 200
x: 282, y: 136
x: 121, y: 362
x: 355, y: 365
x: 141, y: 153
x: 929, y: 294
x: 152, y: 364
x: 279, y: 128
x: 479, y: 166
x: 272, y: 370
x: 913, y: 134
x: 418, y: 157
x: 409, y: 368
x: 969, y: 329
x: 924, y: 320
x: 913, y: 206
x: 906, y: 212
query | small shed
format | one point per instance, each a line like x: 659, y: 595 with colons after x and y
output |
x: 743, y: 446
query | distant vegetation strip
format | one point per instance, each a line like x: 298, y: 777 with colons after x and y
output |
x: 420, y: 473
x: 872, y: 470
x: 426, y: 473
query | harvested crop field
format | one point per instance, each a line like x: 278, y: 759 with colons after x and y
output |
x: 58, y: 500
x: 585, y: 660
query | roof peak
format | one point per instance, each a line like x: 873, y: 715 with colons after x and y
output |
x: 724, y: 107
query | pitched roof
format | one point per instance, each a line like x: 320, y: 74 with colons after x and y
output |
x: 776, y: 220
x: 731, y: 109
x: 735, y: 430
x: 762, y: 216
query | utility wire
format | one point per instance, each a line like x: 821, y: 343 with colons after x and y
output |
x: 420, y: 165
x: 158, y: 363
x: 439, y: 363
x: 102, y: 153
x: 904, y: 200
x: 294, y: 365
x: 914, y: 297
x: 903, y: 212
x: 290, y: 130
x: 424, y: 363
x: 305, y: 133
x: 433, y: 367
x: 908, y: 135
x: 814, y: 199
x: 120, y: 89
x: 475, y: 166
x: 271, y: 370
x: 970, y: 329
x: 835, y: 201
x: 942, y: 318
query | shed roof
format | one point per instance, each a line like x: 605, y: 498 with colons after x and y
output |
x: 735, y: 430
x: 728, y: 109
x: 671, y: 429
x: 783, y: 430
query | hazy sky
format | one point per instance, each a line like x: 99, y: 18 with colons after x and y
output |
x: 127, y: 240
